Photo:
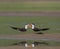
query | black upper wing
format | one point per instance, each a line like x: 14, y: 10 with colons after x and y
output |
x: 44, y: 29
x: 37, y: 43
x: 20, y: 43
x: 38, y: 29
x: 16, y: 28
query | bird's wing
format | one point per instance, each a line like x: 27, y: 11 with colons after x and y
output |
x: 19, y: 43
x: 40, y: 29
x: 37, y: 43
x: 16, y: 28
x: 44, y: 29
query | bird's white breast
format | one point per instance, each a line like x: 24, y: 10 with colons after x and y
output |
x: 33, y: 26
x: 26, y: 26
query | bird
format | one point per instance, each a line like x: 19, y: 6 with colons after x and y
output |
x: 32, y: 26
x: 27, y: 44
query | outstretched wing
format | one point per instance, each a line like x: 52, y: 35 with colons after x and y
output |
x: 44, y: 29
x: 16, y: 28
x: 20, y: 43
x: 37, y: 43
x: 38, y: 29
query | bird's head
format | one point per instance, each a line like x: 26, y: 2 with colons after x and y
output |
x: 30, y: 25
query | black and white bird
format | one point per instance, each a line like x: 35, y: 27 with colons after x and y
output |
x: 32, y: 26
x: 27, y: 44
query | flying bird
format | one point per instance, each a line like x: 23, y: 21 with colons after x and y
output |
x: 32, y: 26
x: 27, y: 44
